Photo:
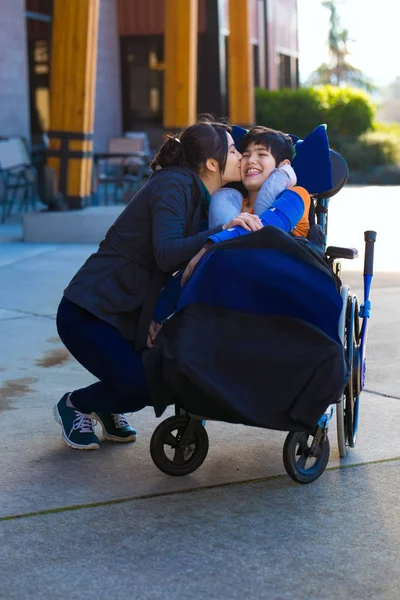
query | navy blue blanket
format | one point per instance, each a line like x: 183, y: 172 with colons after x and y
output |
x: 255, y: 339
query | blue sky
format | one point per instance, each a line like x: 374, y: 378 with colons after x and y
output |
x: 374, y: 25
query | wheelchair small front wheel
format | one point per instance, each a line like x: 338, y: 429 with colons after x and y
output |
x: 303, y: 462
x: 179, y: 445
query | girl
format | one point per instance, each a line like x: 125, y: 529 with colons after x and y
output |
x: 104, y: 316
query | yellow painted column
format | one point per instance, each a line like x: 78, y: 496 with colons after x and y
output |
x: 180, y: 53
x: 72, y: 96
x: 240, y: 64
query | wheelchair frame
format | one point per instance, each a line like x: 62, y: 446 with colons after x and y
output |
x: 354, y: 340
x: 305, y: 455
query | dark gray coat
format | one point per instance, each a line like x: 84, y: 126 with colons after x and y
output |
x: 156, y: 234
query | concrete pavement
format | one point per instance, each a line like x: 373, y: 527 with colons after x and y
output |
x: 95, y: 524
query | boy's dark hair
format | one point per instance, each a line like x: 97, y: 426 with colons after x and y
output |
x: 206, y: 139
x: 279, y: 144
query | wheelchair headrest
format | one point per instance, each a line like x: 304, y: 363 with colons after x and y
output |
x: 340, y: 174
x: 318, y: 168
x: 311, y: 161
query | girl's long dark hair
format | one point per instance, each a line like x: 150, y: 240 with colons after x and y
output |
x: 206, y: 139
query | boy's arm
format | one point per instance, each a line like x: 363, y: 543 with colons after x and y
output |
x: 287, y: 211
x: 225, y: 205
x: 279, y: 180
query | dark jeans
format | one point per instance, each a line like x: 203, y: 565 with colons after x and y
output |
x: 102, y: 350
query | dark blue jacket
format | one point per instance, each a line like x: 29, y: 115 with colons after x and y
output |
x: 157, y: 233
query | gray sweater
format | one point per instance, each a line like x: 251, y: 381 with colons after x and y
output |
x: 157, y: 232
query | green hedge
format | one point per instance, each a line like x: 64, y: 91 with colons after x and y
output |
x: 349, y: 115
x: 366, y: 151
x: 388, y: 175
x: 345, y: 110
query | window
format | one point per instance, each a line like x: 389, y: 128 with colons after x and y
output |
x: 39, y: 28
x: 285, y: 79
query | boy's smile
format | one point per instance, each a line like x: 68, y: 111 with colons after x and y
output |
x: 251, y: 171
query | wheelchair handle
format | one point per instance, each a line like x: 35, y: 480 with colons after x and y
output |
x: 370, y: 238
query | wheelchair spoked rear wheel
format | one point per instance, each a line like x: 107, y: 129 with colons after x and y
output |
x: 179, y: 445
x: 304, y: 461
x: 347, y: 409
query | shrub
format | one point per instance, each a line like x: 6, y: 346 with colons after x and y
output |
x: 346, y: 111
x: 367, y: 151
x: 389, y: 175
x: 371, y: 149
x: 389, y: 134
x: 294, y: 111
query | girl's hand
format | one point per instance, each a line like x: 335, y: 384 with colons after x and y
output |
x: 246, y: 220
x: 153, y: 332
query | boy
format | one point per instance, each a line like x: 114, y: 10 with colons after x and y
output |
x: 267, y: 178
x: 266, y: 173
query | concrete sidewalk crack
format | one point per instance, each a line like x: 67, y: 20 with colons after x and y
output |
x: 30, y: 257
x: 25, y: 313
x: 149, y: 496
x: 391, y: 396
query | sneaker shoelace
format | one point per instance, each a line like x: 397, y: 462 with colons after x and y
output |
x: 120, y: 421
x: 83, y: 423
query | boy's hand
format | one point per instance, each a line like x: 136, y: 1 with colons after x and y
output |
x: 153, y: 332
x: 248, y: 221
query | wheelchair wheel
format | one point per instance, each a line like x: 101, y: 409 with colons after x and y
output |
x: 179, y: 445
x: 348, y: 408
x: 303, y: 463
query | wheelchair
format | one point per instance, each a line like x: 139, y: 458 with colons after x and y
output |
x: 179, y: 445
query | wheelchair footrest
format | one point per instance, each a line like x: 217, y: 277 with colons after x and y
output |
x: 337, y: 252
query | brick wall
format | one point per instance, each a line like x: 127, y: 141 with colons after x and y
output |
x: 108, y: 83
x: 14, y: 96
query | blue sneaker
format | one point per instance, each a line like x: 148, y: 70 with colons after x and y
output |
x: 77, y: 427
x: 115, y: 427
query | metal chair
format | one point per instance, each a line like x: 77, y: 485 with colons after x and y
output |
x: 17, y: 174
x: 123, y: 168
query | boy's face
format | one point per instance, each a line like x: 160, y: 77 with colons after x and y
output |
x: 257, y: 165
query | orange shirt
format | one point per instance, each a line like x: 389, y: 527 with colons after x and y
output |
x: 303, y: 226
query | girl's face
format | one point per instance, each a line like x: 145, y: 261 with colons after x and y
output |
x: 232, y: 167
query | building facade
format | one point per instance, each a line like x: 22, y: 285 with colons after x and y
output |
x: 274, y: 44
x: 130, y: 55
